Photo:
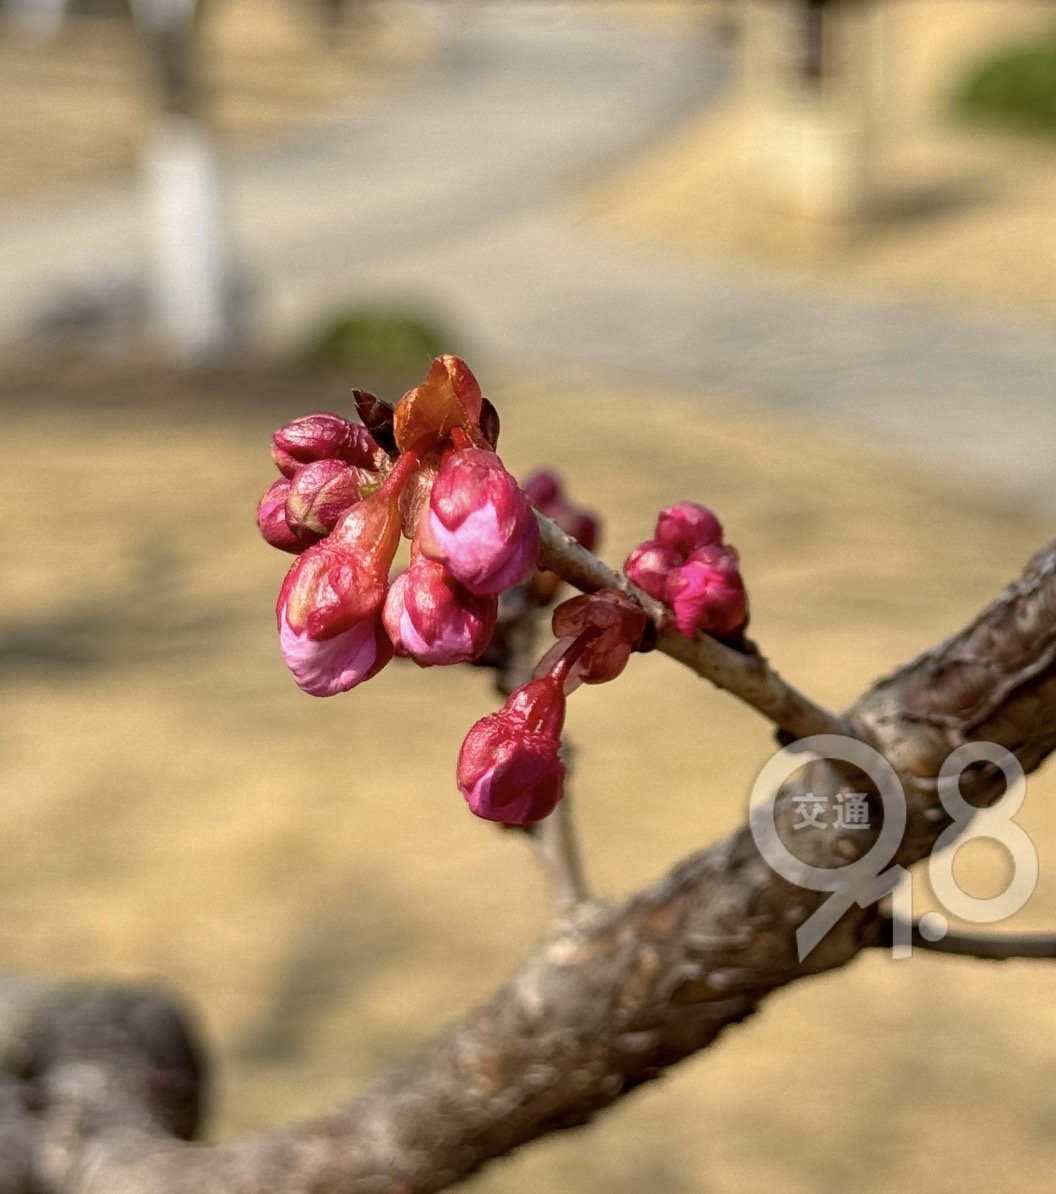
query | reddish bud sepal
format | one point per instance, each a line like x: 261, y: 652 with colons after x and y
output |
x: 544, y: 490
x: 449, y: 397
x: 607, y: 625
x: 509, y: 767
x: 687, y: 526
x: 479, y: 524
x: 271, y: 520
x: 329, y: 607
x: 707, y: 593
x: 322, y: 437
x: 433, y: 619
x: 320, y: 492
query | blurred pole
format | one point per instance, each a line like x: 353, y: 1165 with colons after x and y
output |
x: 813, y: 78
x: 191, y: 282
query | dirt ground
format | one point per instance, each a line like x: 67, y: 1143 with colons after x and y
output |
x: 307, y: 875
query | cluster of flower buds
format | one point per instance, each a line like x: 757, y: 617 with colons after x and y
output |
x: 510, y: 768
x: 688, y: 567
x: 427, y: 470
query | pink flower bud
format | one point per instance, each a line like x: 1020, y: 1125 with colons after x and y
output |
x: 544, y: 490
x: 329, y: 606
x: 687, y: 526
x: 651, y: 565
x: 271, y: 520
x: 509, y: 767
x: 707, y: 593
x: 479, y: 524
x: 322, y: 437
x: 320, y: 492
x: 433, y: 619
x: 325, y: 667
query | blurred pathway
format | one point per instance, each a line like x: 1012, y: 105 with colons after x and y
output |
x: 448, y: 195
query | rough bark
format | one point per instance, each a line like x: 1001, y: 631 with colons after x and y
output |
x: 99, y: 1088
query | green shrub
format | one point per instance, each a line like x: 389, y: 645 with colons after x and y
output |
x: 378, y: 345
x: 1016, y: 87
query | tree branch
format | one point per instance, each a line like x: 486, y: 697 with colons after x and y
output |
x: 989, y: 947
x: 744, y: 673
x: 611, y: 999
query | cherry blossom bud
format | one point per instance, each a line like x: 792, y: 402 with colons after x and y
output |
x: 707, y: 593
x: 479, y: 524
x: 449, y: 397
x: 322, y: 437
x: 651, y: 565
x: 320, y: 492
x: 271, y: 520
x: 544, y: 490
x: 325, y: 667
x: 509, y: 767
x: 687, y: 526
x: 433, y: 619
x: 329, y: 606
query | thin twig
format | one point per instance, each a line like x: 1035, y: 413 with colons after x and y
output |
x: 986, y: 946
x: 554, y: 838
x: 746, y: 674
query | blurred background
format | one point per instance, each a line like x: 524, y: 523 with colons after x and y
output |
x: 793, y: 259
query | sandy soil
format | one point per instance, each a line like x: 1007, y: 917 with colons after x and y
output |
x: 960, y: 215
x: 305, y: 870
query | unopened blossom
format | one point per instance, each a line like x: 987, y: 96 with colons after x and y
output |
x: 329, y: 608
x: 691, y: 570
x: 429, y: 616
x: 271, y: 520
x: 322, y: 436
x: 320, y: 492
x: 509, y: 768
x: 707, y: 593
x: 650, y: 566
x: 479, y: 523
x: 546, y: 493
x: 687, y: 526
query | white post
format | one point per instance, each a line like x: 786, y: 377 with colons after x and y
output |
x: 190, y: 283
x: 191, y: 279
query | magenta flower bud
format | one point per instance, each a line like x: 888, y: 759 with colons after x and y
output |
x: 329, y: 607
x: 687, y: 526
x: 707, y: 593
x: 479, y: 524
x: 509, y: 767
x: 320, y: 492
x: 322, y: 437
x: 325, y: 667
x: 271, y: 520
x: 651, y: 565
x: 433, y: 619
x: 544, y: 490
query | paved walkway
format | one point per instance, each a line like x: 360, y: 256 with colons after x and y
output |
x: 450, y: 193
